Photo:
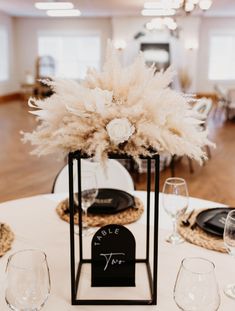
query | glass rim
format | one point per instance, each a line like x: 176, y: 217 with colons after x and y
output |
x: 178, y: 181
x: 183, y: 264
x: 44, y: 257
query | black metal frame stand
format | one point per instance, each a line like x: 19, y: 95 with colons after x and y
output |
x: 76, y: 273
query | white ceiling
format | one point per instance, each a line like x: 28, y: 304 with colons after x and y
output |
x: 106, y: 8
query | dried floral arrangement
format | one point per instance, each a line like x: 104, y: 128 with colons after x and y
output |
x: 127, y: 110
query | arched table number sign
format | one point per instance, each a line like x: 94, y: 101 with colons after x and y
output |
x: 113, y: 257
x: 116, y: 256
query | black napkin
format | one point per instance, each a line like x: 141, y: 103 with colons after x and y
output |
x: 104, y: 205
x: 111, y: 201
x: 217, y: 221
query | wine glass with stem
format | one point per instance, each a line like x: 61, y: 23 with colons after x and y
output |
x: 229, y: 242
x: 175, y: 203
x: 89, y: 193
x: 27, y: 280
x: 196, y: 287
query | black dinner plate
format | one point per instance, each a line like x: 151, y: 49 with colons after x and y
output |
x: 212, y: 220
x: 111, y: 201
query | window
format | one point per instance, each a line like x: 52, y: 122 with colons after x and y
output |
x: 4, y: 72
x: 221, y: 57
x: 73, y: 54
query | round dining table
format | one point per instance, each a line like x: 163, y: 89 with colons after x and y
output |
x: 36, y: 225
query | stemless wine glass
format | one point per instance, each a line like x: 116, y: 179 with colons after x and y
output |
x: 196, y: 288
x: 229, y: 242
x: 28, y: 280
x: 89, y: 194
x: 175, y: 203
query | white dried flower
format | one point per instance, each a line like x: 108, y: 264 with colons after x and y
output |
x: 119, y: 130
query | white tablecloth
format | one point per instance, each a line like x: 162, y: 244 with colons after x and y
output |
x: 36, y: 225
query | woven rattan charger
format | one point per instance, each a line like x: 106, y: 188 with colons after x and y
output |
x: 197, y: 236
x: 126, y: 216
x: 6, y: 238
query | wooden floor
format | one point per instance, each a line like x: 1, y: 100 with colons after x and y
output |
x: 22, y: 174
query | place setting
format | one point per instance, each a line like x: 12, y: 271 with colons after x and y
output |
x: 205, y: 227
x: 101, y: 206
x: 200, y: 226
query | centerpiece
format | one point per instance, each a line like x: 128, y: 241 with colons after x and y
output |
x: 126, y: 110
x: 120, y: 112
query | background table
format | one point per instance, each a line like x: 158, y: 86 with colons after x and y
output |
x: 36, y: 225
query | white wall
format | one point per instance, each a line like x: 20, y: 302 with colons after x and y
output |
x: 11, y: 85
x: 23, y: 43
x: 28, y: 28
x: 194, y: 31
x: 189, y: 47
x: 125, y: 28
x: 209, y: 26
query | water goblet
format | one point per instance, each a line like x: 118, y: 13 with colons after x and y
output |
x: 196, y: 288
x: 28, y: 280
x: 89, y: 194
x: 175, y: 203
x: 229, y: 242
